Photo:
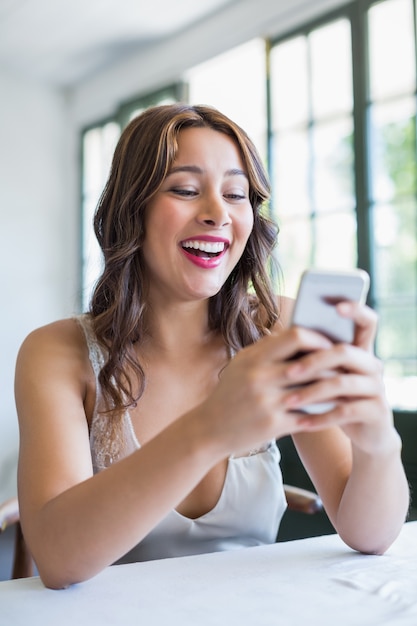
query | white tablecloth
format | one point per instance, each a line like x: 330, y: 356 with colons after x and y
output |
x: 311, y: 581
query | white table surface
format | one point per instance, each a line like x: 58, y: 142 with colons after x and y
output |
x: 311, y: 581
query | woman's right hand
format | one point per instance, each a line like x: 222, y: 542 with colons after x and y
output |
x: 247, y: 406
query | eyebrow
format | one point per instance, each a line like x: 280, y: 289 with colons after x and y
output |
x: 194, y: 169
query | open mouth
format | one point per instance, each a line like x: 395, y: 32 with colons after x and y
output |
x: 205, y: 249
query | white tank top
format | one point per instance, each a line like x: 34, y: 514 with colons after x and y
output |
x: 248, y: 512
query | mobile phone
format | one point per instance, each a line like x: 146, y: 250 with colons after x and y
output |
x: 318, y: 293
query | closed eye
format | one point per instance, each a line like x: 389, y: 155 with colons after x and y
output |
x: 184, y: 192
x: 234, y: 196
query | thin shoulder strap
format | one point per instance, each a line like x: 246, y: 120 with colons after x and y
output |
x: 95, y: 351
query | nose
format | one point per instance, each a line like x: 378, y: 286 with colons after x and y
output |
x: 214, y: 211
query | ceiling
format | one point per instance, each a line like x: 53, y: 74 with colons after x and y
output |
x: 63, y: 41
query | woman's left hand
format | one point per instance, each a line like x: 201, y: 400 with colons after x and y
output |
x: 355, y: 384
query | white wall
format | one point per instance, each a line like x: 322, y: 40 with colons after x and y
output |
x: 39, y: 208
x: 37, y: 258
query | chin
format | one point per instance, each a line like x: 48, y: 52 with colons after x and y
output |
x: 198, y: 293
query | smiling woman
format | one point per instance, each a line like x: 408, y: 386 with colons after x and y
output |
x: 203, y: 177
x: 156, y: 413
x: 202, y: 210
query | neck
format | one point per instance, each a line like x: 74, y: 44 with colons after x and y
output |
x: 179, y: 327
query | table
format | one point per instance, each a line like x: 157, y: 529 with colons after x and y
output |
x: 310, y: 581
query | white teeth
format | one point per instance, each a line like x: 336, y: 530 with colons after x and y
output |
x: 205, y: 246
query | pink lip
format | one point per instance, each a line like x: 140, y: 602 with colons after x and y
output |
x: 205, y: 263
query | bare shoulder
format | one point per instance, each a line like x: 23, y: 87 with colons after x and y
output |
x: 54, y: 394
x: 63, y: 333
x: 54, y: 348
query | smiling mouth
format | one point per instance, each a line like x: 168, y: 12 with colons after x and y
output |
x: 204, y: 249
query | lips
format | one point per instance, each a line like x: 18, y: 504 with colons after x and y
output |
x: 205, y: 251
x: 204, y: 248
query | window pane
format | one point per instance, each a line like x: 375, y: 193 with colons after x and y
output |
x: 393, y: 152
x: 336, y: 241
x: 395, y: 285
x: 391, y: 48
x: 395, y: 228
x: 294, y: 252
x: 92, y: 163
x: 98, y: 148
x: 235, y: 83
x: 331, y: 69
x: 291, y: 188
x: 333, y: 165
x: 312, y: 150
x: 131, y: 110
x: 397, y: 347
x: 397, y: 338
x: 289, y: 83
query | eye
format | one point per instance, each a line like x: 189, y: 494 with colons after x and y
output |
x: 235, y: 196
x: 186, y: 193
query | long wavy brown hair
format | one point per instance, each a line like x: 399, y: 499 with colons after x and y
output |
x: 242, y: 311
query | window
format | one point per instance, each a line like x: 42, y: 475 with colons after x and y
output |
x: 343, y: 164
x: 98, y: 144
x: 235, y: 83
x: 312, y: 150
x: 393, y: 209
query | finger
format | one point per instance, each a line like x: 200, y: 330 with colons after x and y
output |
x: 286, y: 344
x: 366, y: 322
x: 342, y: 415
x: 338, y: 388
x: 340, y: 357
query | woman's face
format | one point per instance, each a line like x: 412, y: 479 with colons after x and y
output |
x: 198, y: 223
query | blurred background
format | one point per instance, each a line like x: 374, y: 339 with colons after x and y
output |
x: 327, y: 90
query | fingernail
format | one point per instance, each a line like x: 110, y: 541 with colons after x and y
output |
x: 343, y: 307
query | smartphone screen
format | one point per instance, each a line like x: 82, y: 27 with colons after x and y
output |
x: 319, y: 292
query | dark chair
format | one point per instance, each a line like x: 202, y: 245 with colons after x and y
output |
x: 302, y: 500
x: 22, y: 561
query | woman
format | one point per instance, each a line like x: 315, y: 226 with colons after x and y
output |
x: 149, y: 424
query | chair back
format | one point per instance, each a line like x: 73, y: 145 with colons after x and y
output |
x: 22, y: 566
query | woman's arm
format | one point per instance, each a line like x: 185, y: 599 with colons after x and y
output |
x: 76, y: 523
x: 355, y: 463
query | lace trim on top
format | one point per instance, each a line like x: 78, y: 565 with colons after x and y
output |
x: 108, y: 441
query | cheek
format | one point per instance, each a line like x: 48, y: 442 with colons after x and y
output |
x: 162, y: 223
x: 243, y: 231
x: 245, y: 224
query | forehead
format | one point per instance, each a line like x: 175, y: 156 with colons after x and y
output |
x: 206, y: 144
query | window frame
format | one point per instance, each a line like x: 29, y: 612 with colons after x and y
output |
x: 82, y: 196
x: 177, y: 91
x: 356, y: 13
